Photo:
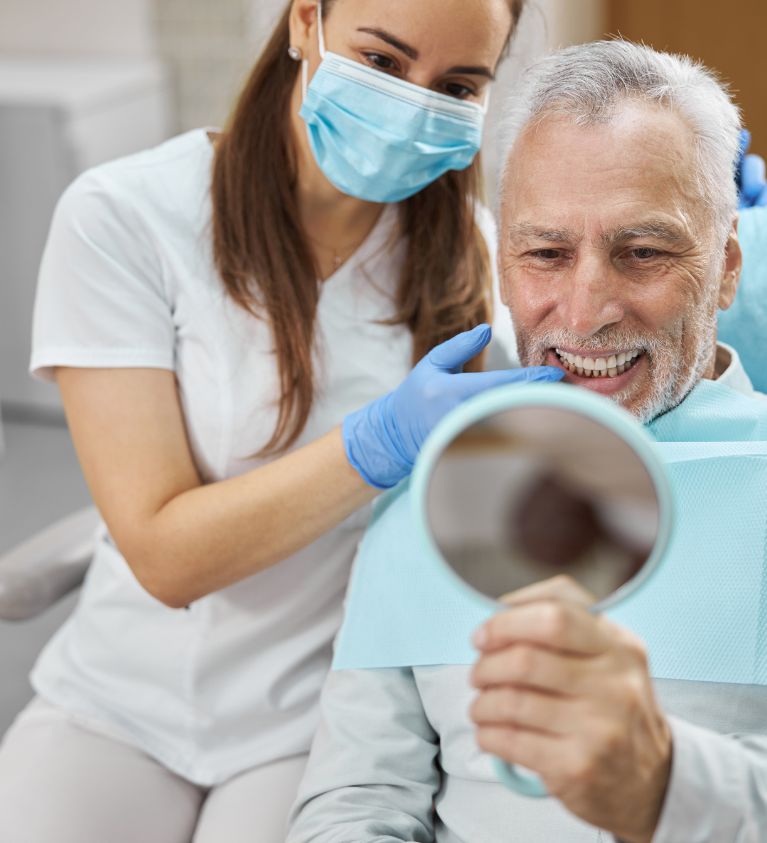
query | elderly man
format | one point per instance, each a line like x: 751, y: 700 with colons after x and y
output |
x: 617, y: 247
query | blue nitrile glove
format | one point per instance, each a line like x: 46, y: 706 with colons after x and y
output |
x: 750, y: 176
x: 382, y: 439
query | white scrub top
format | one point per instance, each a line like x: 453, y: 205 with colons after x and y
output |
x: 127, y: 280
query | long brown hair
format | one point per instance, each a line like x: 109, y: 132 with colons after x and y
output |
x: 262, y: 254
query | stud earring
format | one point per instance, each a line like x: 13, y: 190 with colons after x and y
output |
x: 295, y: 53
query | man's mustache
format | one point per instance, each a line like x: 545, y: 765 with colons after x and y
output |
x: 606, y: 341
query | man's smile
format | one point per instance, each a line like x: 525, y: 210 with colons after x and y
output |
x: 607, y: 373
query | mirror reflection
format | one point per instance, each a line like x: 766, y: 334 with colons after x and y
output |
x: 534, y: 492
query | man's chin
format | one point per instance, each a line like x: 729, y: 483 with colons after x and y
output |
x: 629, y: 388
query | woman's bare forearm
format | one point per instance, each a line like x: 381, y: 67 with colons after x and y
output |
x: 184, y: 538
x: 213, y: 535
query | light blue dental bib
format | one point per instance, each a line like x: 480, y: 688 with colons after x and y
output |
x: 702, y: 614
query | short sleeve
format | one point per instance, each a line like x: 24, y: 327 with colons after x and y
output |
x: 101, y: 300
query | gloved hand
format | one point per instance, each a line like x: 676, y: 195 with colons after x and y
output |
x: 382, y: 439
x: 750, y: 176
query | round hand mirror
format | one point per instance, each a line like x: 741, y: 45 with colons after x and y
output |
x: 525, y: 483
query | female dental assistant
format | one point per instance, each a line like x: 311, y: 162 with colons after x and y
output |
x: 213, y: 387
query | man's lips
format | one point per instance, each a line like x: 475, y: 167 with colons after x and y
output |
x: 606, y: 384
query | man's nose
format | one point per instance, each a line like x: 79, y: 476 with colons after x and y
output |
x: 591, y: 299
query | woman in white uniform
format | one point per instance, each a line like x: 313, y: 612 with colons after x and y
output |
x: 216, y: 311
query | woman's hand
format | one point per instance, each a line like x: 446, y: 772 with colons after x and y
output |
x: 752, y: 185
x: 382, y: 439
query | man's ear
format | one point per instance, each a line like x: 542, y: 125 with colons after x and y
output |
x: 302, y: 22
x: 733, y: 264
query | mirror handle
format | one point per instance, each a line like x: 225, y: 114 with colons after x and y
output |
x: 519, y: 779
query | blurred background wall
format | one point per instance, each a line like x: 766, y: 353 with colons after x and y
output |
x: 728, y: 37
x: 209, y: 45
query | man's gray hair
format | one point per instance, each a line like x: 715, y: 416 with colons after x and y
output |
x: 589, y: 82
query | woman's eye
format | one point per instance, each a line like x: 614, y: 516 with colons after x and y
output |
x: 461, y: 92
x: 380, y: 61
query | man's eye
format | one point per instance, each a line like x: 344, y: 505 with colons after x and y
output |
x: 380, y: 61
x: 547, y: 254
x: 644, y: 253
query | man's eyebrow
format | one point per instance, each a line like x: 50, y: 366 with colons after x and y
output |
x: 536, y: 232
x: 658, y: 229
x: 392, y: 40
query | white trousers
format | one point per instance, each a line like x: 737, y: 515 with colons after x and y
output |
x: 62, y: 783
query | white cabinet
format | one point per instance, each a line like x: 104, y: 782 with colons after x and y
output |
x: 57, y: 118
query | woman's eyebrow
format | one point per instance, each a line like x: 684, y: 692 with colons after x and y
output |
x: 473, y: 71
x: 413, y: 54
x: 392, y: 40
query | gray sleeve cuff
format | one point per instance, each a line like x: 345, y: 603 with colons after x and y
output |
x: 706, y: 799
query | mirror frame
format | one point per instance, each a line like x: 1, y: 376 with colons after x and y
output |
x: 561, y: 396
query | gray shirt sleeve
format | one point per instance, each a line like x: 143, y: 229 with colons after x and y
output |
x: 372, y: 774
x: 718, y: 788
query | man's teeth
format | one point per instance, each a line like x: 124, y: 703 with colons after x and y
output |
x: 597, y: 367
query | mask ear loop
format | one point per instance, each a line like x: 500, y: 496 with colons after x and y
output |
x: 321, y: 42
x: 486, y: 103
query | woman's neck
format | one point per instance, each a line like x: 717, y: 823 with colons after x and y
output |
x: 335, y: 223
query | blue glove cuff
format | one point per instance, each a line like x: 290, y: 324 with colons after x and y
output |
x: 370, y: 448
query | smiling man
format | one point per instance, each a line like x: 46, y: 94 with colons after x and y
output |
x: 618, y: 241
x: 617, y: 248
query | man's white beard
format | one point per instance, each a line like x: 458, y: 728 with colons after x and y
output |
x: 668, y: 374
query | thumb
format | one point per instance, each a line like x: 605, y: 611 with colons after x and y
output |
x: 473, y: 383
x: 453, y: 353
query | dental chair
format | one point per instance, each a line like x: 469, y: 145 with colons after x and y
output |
x: 40, y: 571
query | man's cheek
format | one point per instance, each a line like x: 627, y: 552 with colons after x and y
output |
x: 532, y: 315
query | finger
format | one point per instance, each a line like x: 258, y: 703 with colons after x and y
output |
x: 451, y: 355
x: 522, y: 708
x: 555, y: 624
x: 537, y: 751
x: 473, y: 383
x: 533, y: 667
x: 560, y: 587
x: 752, y: 177
x: 745, y: 142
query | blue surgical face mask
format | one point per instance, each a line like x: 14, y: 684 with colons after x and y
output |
x: 379, y: 138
